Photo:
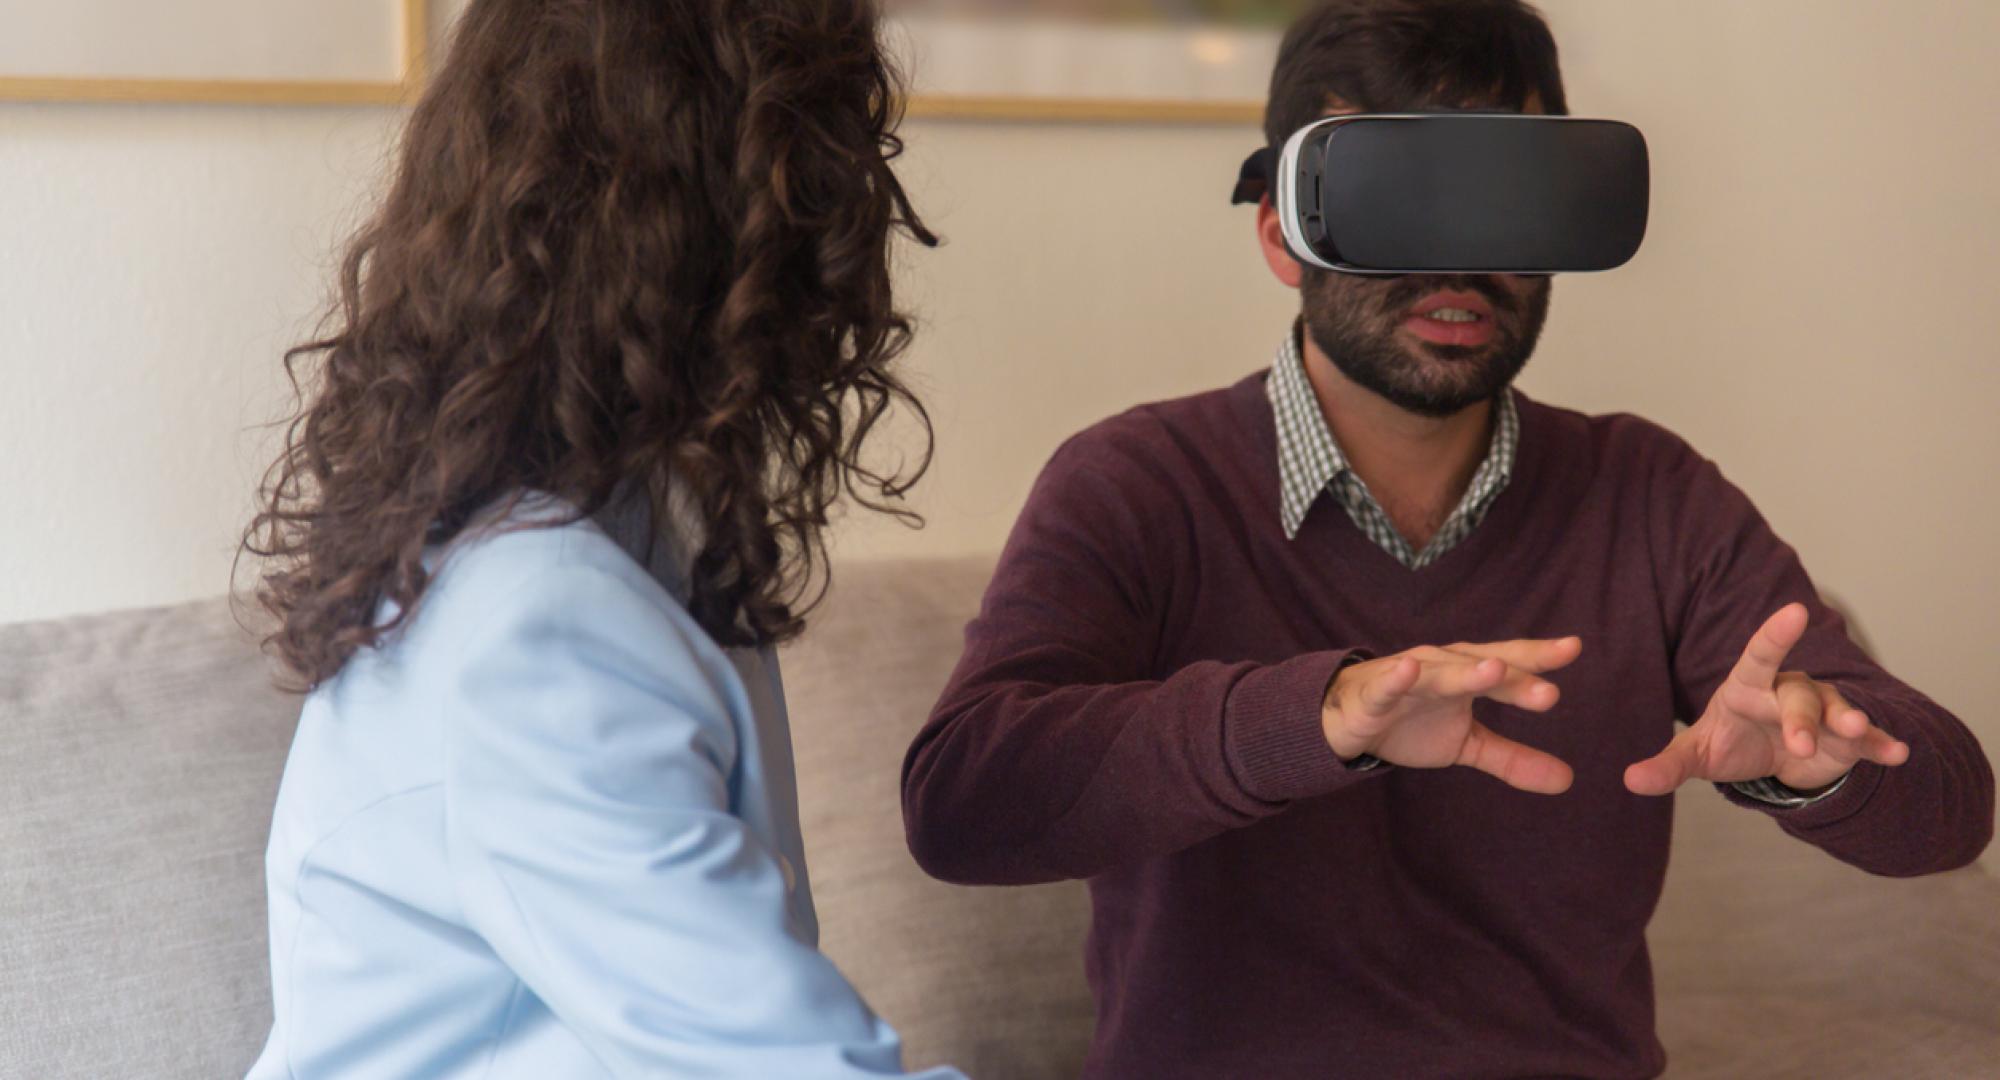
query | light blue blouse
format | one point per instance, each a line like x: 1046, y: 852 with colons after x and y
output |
x: 551, y: 830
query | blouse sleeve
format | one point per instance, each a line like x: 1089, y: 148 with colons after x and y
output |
x: 591, y: 746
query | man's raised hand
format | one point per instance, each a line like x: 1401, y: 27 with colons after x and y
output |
x: 1415, y: 708
x: 1764, y: 721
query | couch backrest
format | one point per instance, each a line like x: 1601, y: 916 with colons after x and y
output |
x: 989, y: 980
x: 141, y: 754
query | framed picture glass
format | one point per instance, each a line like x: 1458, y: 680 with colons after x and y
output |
x: 259, y: 51
x: 1025, y: 59
x: 1090, y: 59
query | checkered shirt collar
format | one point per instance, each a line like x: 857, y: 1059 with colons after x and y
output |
x: 1310, y: 463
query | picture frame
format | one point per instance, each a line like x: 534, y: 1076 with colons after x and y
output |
x: 1047, y: 71
x: 413, y: 34
x: 1052, y: 68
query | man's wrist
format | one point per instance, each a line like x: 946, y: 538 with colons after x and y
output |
x: 1771, y: 790
x: 1274, y: 728
x: 1349, y: 751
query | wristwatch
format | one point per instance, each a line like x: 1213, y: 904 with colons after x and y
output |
x: 1769, y: 790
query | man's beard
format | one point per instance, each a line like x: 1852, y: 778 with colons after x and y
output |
x: 1356, y: 321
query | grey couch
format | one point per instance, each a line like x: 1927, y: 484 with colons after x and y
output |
x: 141, y: 752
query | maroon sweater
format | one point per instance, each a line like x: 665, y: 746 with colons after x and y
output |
x: 1139, y: 705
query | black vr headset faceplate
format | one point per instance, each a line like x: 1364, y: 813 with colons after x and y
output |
x: 1448, y: 192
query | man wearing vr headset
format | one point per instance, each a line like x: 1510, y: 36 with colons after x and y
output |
x: 1276, y: 667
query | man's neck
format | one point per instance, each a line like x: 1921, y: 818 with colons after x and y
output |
x: 1417, y: 467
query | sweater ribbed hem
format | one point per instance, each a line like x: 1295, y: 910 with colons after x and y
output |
x: 1273, y: 733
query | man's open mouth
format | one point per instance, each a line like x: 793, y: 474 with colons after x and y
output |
x: 1452, y: 317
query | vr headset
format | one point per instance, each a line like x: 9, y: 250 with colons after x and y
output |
x: 1456, y: 192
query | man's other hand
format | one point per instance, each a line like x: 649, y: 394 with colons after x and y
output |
x: 1765, y: 722
x: 1415, y: 708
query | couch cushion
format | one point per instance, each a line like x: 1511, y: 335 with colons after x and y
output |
x: 1773, y: 959
x: 1729, y: 1036
x: 990, y: 980
x: 141, y: 758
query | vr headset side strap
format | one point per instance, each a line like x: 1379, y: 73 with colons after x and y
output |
x: 1253, y: 180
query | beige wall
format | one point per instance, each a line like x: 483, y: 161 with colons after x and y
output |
x: 1810, y: 308
x: 154, y: 263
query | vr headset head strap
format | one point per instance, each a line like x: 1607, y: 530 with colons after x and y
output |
x: 1253, y: 181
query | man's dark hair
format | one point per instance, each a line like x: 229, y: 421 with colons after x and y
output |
x: 1395, y: 55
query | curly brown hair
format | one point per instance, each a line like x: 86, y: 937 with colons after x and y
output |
x: 626, y: 241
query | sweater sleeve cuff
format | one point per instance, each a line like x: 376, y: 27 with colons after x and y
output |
x: 1273, y: 734
x: 1855, y: 789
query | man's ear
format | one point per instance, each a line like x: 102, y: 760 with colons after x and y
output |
x: 1271, y: 237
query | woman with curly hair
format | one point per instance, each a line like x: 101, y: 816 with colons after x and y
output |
x: 599, y: 367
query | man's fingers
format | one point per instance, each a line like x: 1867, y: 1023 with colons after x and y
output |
x: 1883, y: 748
x: 1863, y: 739
x: 1381, y: 693
x: 1664, y: 771
x: 1461, y: 678
x: 1838, y: 716
x: 1758, y: 667
x: 1799, y: 713
x: 1535, y: 655
x: 1517, y: 765
x: 1525, y: 691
